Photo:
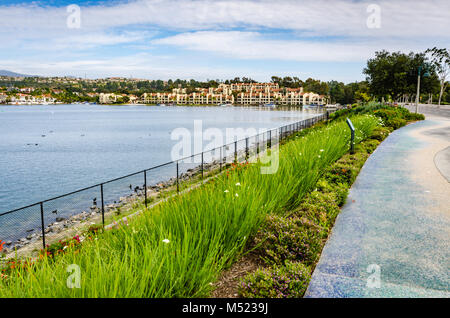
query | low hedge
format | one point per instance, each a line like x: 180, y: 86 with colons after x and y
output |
x: 392, y: 116
x: 290, y: 245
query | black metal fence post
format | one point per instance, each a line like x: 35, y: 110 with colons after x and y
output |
x: 224, y: 158
x: 246, y: 149
x: 178, y: 182
x: 235, y: 152
x: 202, y: 165
x: 42, y: 224
x: 145, y: 189
x: 103, y: 205
x: 221, y: 159
x: 270, y: 139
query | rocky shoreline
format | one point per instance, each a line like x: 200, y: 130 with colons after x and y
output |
x: 60, y: 228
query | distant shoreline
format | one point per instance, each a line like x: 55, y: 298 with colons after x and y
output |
x: 176, y: 105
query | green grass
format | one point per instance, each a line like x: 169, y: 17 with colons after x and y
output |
x: 207, y: 229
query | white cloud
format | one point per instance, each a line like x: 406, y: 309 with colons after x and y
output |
x: 137, y: 65
x: 319, y: 30
x: 253, y: 45
x: 403, y: 18
x: 84, y: 41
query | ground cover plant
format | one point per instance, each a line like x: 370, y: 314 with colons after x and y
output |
x: 298, y: 236
x: 178, y: 248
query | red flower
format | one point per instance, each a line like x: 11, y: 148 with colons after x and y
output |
x: 1, y: 245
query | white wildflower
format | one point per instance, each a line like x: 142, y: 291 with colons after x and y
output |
x: 238, y: 184
x: 166, y: 241
x: 236, y: 195
x: 226, y: 191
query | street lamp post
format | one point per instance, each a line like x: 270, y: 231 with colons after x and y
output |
x: 418, y: 89
x: 418, y: 86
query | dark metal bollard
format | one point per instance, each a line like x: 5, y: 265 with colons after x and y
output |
x: 235, y: 152
x: 352, y: 140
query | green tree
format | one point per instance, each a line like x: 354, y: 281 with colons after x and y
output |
x: 393, y: 75
x: 440, y: 58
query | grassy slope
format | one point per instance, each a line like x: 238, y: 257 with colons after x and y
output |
x: 290, y: 244
x: 206, y: 229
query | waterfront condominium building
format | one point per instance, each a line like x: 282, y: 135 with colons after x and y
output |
x: 238, y: 94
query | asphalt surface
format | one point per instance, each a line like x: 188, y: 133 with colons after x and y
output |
x: 391, y: 238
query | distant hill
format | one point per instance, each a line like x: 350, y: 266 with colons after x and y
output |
x: 13, y: 74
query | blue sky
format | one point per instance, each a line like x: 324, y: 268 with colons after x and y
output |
x: 220, y: 39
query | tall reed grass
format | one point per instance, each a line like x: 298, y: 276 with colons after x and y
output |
x: 178, y: 248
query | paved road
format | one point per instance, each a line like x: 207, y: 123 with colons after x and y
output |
x: 438, y: 113
x: 392, y: 237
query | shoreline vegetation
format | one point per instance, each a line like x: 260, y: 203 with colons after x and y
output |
x: 91, y: 219
x: 282, y: 256
x: 182, y: 246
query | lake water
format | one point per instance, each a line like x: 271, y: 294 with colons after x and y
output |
x: 47, y: 151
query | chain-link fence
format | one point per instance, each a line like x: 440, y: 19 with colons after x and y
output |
x: 43, y: 223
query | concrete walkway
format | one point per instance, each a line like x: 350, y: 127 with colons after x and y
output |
x: 392, y: 238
